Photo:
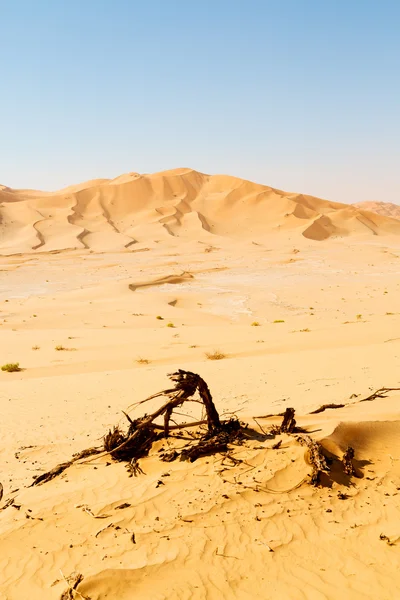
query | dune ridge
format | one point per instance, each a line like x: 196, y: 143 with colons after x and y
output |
x: 386, y: 209
x: 104, y: 214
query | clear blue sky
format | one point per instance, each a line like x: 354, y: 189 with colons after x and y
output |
x: 303, y: 95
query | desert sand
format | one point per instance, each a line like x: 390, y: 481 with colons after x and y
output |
x: 386, y: 209
x: 302, y: 298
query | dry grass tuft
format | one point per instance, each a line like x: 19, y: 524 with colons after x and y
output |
x: 142, y: 361
x: 61, y: 348
x: 216, y: 355
x: 255, y: 324
x: 279, y: 321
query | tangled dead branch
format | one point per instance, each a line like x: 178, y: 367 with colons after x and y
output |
x: 142, y: 432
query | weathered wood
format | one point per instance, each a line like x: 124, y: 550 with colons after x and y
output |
x: 317, y: 459
x: 325, y: 407
x: 347, y: 462
x: 289, y: 422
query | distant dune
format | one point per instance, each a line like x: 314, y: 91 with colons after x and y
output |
x: 113, y: 214
x: 386, y: 209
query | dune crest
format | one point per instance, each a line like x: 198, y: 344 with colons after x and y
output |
x: 386, y: 209
x: 105, y: 214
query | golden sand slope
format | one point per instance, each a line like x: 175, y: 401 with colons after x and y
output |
x: 115, y: 214
x: 300, y: 324
x: 386, y: 209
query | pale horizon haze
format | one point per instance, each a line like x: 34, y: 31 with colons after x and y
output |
x: 299, y: 95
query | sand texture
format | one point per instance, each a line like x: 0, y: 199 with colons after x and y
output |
x: 104, y: 215
x: 107, y: 287
x: 386, y: 209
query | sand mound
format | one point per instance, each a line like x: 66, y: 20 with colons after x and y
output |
x: 386, y: 209
x: 114, y: 214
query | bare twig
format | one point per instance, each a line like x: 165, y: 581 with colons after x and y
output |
x: 72, y: 582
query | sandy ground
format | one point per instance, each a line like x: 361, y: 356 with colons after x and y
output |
x: 202, y: 530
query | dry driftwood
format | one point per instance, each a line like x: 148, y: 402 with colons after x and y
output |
x: 49, y: 475
x: 347, y: 462
x: 325, y: 407
x: 317, y: 459
x: 72, y: 582
x: 143, y: 431
x: 380, y: 393
x: 289, y: 422
x: 229, y: 431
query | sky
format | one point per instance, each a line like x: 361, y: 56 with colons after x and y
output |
x: 301, y: 95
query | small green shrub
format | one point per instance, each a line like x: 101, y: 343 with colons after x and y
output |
x: 11, y: 367
x: 160, y: 318
x: 255, y: 324
x: 170, y: 325
x: 279, y: 321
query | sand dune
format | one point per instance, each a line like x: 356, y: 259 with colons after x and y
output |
x: 115, y: 214
x: 386, y: 209
x: 298, y: 298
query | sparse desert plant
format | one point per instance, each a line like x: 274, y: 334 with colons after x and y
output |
x: 304, y: 330
x: 170, y: 325
x: 279, y: 321
x: 34, y: 315
x: 389, y: 313
x: 216, y: 355
x: 359, y: 317
x: 255, y: 324
x: 11, y: 367
x: 160, y: 318
x: 35, y: 347
x: 193, y: 346
x: 61, y: 348
x: 142, y: 361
